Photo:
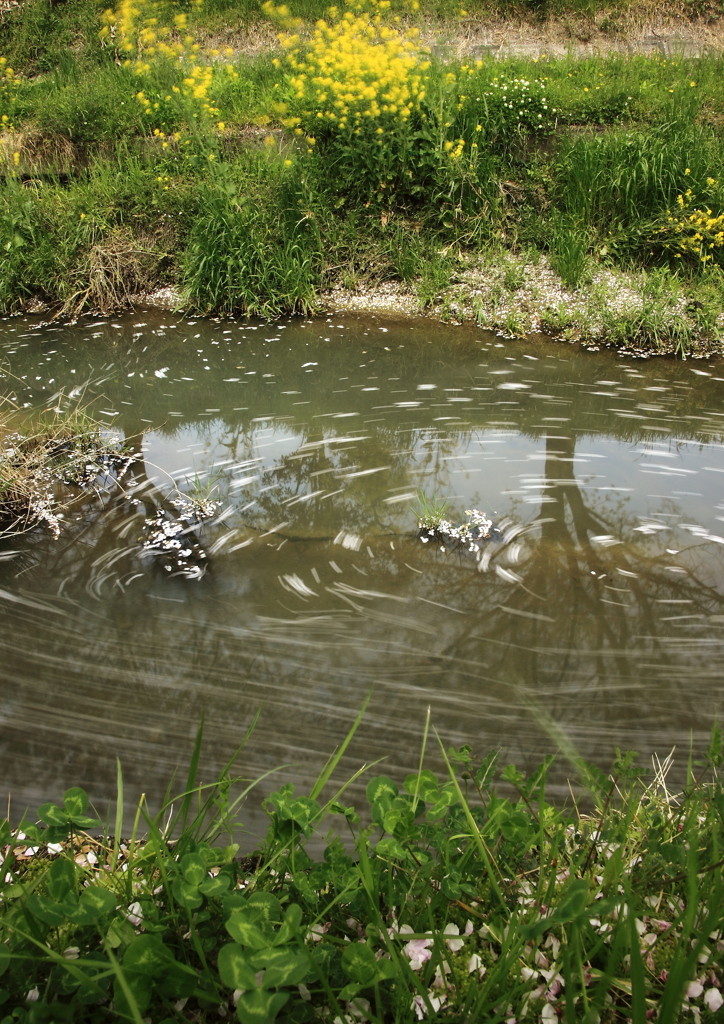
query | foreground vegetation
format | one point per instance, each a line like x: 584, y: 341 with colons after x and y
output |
x: 142, y: 148
x: 447, y: 902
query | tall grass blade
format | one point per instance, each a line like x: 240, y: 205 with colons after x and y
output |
x: 638, y: 975
x: 192, y: 775
x: 423, y: 748
x: 125, y: 988
x: 334, y: 760
x: 118, y: 826
x: 474, y: 830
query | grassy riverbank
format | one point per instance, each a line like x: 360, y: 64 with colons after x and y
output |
x: 449, y: 903
x: 169, y: 145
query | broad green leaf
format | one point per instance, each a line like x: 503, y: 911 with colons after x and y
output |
x: 176, y: 982
x: 234, y: 967
x: 193, y: 868
x: 290, y: 925
x: 359, y: 963
x: 215, y: 886
x: 13, y: 891
x: 51, y: 814
x: 141, y: 986
x: 148, y: 955
x: 227, y: 853
x: 516, y: 825
x: 33, y: 832
x: 5, y: 833
x: 75, y: 801
x: 350, y: 991
x: 120, y: 933
x: 386, y: 970
x: 61, y: 878
x: 242, y: 930
x: 381, y: 789
x: 84, y: 822
x: 426, y: 788
x: 45, y: 910
x: 451, y: 888
x: 349, y: 812
x: 265, y: 905
x: 283, y: 966
x: 187, y: 895
x: 300, y: 811
x: 99, y: 898
x: 439, y: 808
x: 399, y: 814
x: 389, y: 847
x: 259, y: 1007
x: 83, y: 915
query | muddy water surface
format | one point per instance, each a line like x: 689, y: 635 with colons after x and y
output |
x: 597, y: 611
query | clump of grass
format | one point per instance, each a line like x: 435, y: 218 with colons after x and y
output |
x: 44, y: 470
x: 569, y: 253
x: 429, y: 512
x: 621, y: 184
x: 116, y: 268
x: 464, y: 896
x: 252, y: 248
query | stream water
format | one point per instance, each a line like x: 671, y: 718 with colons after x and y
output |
x: 596, y: 612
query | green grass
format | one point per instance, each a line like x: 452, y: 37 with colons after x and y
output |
x: 461, y: 895
x: 57, y: 458
x: 577, y: 160
x: 253, y: 247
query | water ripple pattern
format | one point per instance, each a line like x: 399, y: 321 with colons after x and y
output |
x: 594, y: 610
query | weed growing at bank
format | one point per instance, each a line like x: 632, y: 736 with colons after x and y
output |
x: 56, y: 461
x: 447, y: 901
x: 352, y: 156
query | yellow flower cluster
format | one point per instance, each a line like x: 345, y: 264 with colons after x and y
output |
x: 693, y: 230
x: 135, y: 27
x: 355, y: 72
x: 9, y: 82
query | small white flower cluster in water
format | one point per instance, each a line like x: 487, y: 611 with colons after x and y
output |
x: 172, y: 539
x: 478, y: 527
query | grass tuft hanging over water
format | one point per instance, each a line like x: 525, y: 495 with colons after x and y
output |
x: 461, y: 895
x: 55, y: 462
